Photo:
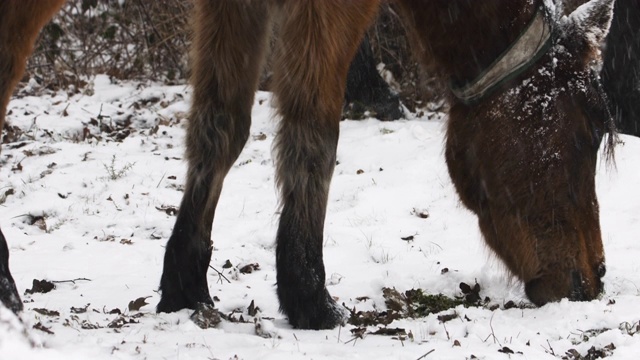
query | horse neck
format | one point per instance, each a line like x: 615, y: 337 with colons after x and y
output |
x: 458, y: 39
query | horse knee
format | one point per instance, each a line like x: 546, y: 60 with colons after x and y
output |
x: 215, y: 138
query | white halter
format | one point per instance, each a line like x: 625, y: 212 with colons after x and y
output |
x: 529, y: 47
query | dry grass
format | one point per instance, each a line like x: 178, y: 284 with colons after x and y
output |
x: 132, y: 39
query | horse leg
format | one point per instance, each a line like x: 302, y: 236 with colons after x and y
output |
x: 228, y: 48
x: 318, y: 41
x: 8, y: 293
x: 20, y: 23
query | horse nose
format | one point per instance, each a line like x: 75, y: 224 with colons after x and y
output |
x: 602, y: 270
x: 578, y: 291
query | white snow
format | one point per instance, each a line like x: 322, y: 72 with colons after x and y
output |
x: 112, y: 233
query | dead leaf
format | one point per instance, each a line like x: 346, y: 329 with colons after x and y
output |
x: 260, y: 137
x: 43, y: 150
x: 86, y: 325
x: 136, y: 304
x: 121, y: 321
x: 46, y: 312
x: 169, y: 210
x: 40, y: 286
x: 17, y: 168
x: 506, y: 350
x: 252, y: 310
x: 43, y: 328
x: 79, y: 310
x: 447, y: 317
x: 390, y: 332
x: 248, y: 269
x: 206, y: 316
x: 113, y: 311
x: 359, y: 332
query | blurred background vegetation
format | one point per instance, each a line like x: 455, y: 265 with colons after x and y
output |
x: 125, y: 39
x: 149, y: 40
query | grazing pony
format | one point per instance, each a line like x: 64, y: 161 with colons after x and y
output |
x: 525, y: 124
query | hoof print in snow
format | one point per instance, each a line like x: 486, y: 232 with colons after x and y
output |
x: 250, y: 268
x: 206, y: 316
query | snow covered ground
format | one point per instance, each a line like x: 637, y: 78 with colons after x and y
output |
x: 90, y: 184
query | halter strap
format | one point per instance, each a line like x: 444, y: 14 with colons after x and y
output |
x: 532, y: 43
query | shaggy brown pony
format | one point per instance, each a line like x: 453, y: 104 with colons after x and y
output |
x: 522, y: 157
x: 521, y: 151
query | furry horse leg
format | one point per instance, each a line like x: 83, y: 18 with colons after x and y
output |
x: 229, y: 45
x: 20, y: 23
x: 319, y: 38
x: 8, y: 292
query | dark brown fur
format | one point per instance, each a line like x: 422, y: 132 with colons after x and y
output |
x: 522, y: 161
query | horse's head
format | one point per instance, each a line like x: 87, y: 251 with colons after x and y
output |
x: 524, y: 157
x: 570, y: 251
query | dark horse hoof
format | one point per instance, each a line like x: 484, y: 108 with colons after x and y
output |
x: 8, y: 293
x: 175, y: 298
x: 177, y: 302
x: 314, y: 314
x: 183, y: 284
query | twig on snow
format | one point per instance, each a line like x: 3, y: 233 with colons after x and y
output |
x: 71, y: 281
x: 425, y: 355
x: 220, y: 275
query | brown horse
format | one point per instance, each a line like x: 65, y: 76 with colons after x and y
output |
x: 521, y: 145
x: 525, y: 125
